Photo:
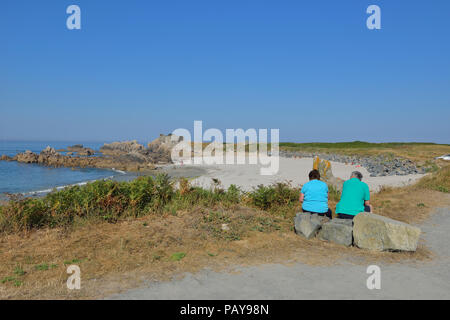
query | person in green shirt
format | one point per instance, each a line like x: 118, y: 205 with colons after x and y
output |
x: 355, y: 197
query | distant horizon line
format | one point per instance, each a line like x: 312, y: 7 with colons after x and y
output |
x: 281, y: 142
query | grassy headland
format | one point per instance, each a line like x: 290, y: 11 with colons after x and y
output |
x: 415, y: 151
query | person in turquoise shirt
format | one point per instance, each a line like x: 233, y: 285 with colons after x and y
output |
x: 314, y: 196
x: 355, y: 197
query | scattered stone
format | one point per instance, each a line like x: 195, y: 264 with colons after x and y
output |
x: 339, y: 231
x: 225, y: 227
x: 381, y: 165
x: 375, y: 232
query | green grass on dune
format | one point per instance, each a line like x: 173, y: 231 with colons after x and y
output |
x: 352, y: 145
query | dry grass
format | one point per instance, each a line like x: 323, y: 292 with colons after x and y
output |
x: 410, y: 204
x: 114, y: 257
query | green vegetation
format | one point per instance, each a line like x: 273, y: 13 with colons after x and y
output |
x: 111, y: 201
x: 73, y: 261
x: 7, y: 279
x: 177, y: 256
x: 352, y: 145
x: 19, y: 271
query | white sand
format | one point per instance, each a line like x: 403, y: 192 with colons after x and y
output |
x: 294, y: 170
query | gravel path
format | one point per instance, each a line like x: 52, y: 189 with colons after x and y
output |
x: 344, y: 281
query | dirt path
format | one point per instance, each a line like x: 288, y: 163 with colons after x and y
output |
x: 429, y: 280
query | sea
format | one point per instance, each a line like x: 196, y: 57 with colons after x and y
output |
x: 35, y: 180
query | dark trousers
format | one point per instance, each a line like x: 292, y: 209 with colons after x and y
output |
x: 328, y: 213
x: 349, y: 216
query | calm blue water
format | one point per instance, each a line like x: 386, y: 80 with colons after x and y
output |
x: 28, y: 178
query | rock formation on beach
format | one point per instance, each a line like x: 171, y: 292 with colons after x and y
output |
x: 122, y: 148
x: 126, y: 155
x: 163, y: 146
x: 80, y: 150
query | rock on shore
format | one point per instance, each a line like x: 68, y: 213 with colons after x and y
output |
x: 126, y: 156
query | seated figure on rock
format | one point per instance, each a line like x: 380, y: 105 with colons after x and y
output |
x: 355, y: 197
x: 314, y: 196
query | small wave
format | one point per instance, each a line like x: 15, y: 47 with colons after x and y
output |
x: 83, y: 183
x: 119, y: 171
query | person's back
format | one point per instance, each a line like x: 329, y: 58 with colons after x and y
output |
x: 316, y: 196
x: 355, y: 197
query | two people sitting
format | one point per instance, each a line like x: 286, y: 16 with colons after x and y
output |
x: 355, y: 197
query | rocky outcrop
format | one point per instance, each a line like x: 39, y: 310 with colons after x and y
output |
x: 49, y: 157
x: 80, y: 150
x: 339, y: 231
x: 126, y: 156
x: 163, y: 145
x: 5, y: 158
x: 75, y: 148
x: 121, y: 148
x: 375, y: 232
x: 86, y: 152
x: 27, y: 157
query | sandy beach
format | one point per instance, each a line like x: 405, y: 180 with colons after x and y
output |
x: 294, y: 170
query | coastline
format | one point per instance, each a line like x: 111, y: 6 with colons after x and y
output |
x: 246, y: 176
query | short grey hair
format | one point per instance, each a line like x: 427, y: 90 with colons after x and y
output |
x: 357, y: 174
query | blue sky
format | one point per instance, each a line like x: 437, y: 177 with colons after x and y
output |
x: 310, y: 68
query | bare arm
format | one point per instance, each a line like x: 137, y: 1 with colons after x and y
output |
x: 302, y: 197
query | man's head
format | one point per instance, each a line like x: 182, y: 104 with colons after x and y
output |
x: 356, y: 174
x: 314, y: 175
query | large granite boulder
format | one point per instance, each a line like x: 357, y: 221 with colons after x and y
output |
x: 375, y: 232
x: 339, y: 231
x: 307, y: 224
